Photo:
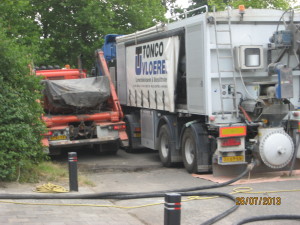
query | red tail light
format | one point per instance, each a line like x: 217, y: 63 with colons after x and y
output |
x: 230, y: 142
x: 49, y: 133
x: 137, y: 129
x: 119, y: 127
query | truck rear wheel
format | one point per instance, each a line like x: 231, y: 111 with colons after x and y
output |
x: 164, y: 147
x: 189, y: 151
x: 112, y: 148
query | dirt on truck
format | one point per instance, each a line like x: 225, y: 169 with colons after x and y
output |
x: 81, y: 110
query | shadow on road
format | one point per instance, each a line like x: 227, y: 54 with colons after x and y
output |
x: 89, y: 161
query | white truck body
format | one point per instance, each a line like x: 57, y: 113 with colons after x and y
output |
x: 152, y: 73
x: 182, y: 70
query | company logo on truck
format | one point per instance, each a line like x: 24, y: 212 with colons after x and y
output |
x: 149, y: 59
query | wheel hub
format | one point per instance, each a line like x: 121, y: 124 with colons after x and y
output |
x: 189, y: 151
x: 164, y: 146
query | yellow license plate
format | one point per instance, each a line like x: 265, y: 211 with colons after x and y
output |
x: 233, y: 131
x: 226, y: 159
x: 137, y: 135
x: 59, y: 137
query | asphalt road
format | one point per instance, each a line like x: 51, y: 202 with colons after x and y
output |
x: 142, y: 172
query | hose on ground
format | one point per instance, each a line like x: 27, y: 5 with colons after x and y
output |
x: 269, y: 217
x: 223, y: 214
x: 208, y: 222
x: 183, y: 192
x: 50, y: 188
x: 129, y: 195
x: 126, y: 195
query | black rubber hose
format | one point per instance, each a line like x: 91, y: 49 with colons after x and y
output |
x: 225, y: 213
x: 111, y: 195
x: 269, y: 217
x: 128, y: 195
x: 155, y: 195
x: 208, y: 222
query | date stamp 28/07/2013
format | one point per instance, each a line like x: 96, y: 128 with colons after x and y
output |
x: 258, y: 200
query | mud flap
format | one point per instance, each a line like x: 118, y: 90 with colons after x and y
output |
x: 123, y: 138
x: 228, y: 170
x: 203, y: 148
x: 171, y: 121
x: 135, y: 132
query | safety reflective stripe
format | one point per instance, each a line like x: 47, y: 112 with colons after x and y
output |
x: 233, y: 131
x: 173, y: 206
x: 73, y: 159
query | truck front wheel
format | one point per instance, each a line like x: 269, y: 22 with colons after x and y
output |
x: 189, y: 152
x: 164, y: 146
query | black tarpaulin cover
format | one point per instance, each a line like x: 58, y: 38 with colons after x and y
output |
x: 77, y: 93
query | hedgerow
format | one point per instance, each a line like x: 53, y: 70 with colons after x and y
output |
x: 20, y: 124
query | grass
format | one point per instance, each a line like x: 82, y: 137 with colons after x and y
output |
x: 84, y: 181
x: 50, y: 172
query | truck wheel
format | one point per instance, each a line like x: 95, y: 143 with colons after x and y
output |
x: 111, y: 148
x: 164, y: 147
x: 189, y: 152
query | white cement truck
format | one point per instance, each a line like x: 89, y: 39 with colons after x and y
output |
x: 214, y: 90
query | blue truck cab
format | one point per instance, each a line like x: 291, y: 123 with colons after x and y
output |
x: 109, y: 47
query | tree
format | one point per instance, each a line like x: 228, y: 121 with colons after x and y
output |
x: 21, y: 127
x: 197, y: 3
x: 173, y: 8
x: 221, y: 4
x: 72, y: 27
x: 53, y: 32
x: 18, y: 20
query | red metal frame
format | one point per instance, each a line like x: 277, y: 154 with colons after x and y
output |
x: 65, y: 119
x: 61, y: 74
x: 104, y: 68
x: 114, y: 116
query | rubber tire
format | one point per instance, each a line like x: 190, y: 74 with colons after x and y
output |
x: 111, y: 148
x: 164, y: 139
x: 189, y: 151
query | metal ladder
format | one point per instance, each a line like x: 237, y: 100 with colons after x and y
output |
x: 219, y: 46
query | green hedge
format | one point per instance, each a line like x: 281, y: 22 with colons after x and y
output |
x: 20, y: 124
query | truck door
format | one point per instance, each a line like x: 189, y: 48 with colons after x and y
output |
x: 196, y: 66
